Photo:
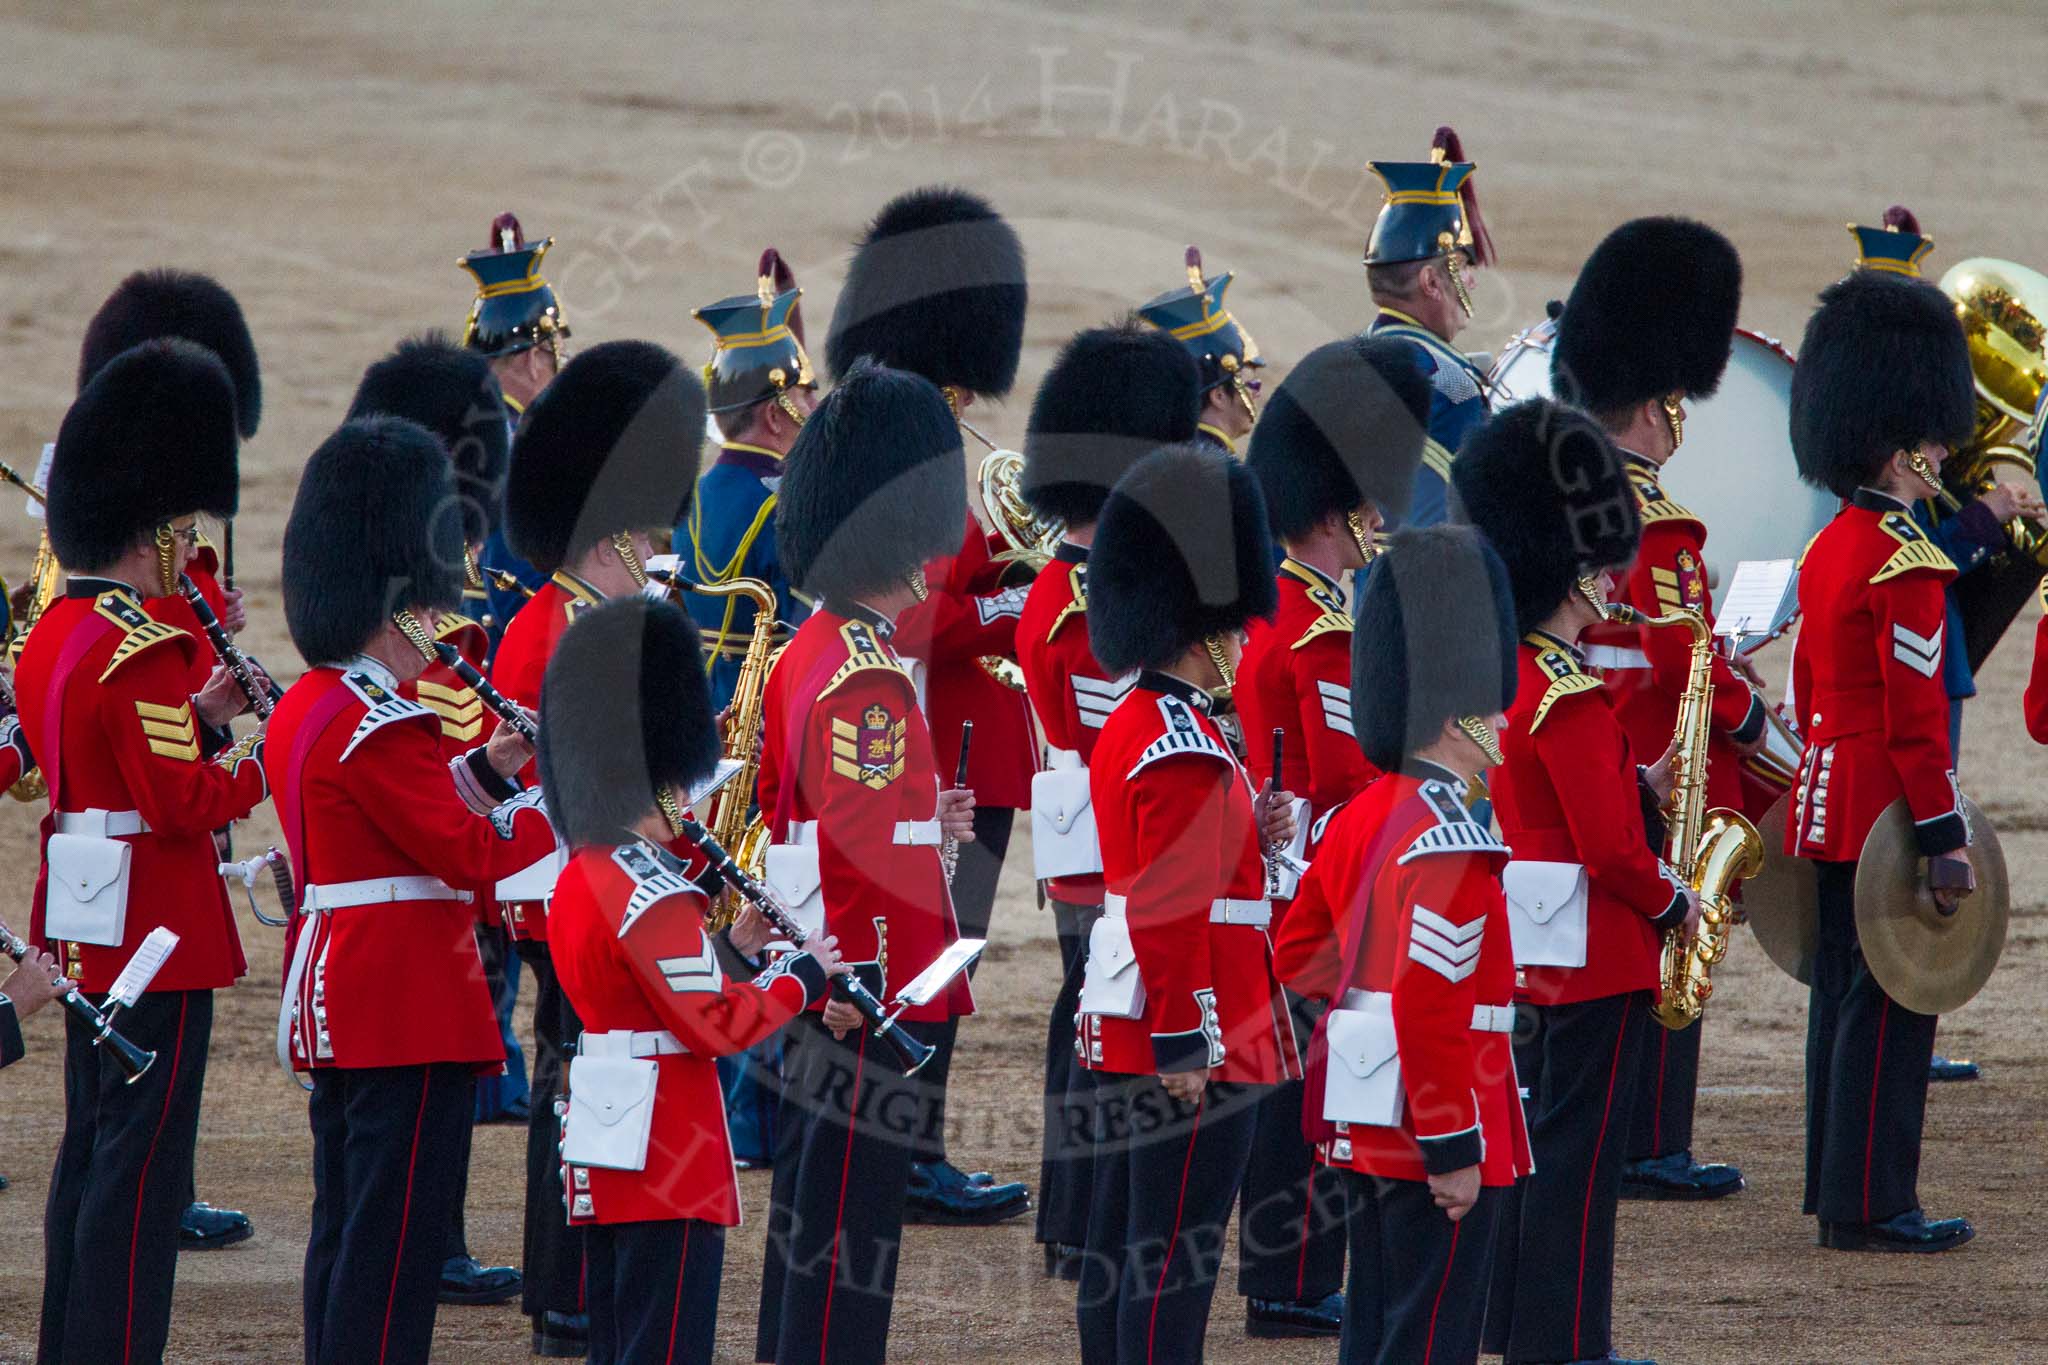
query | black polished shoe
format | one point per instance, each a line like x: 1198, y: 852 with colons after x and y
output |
x: 1677, y: 1176
x: 941, y: 1193
x: 562, y: 1335
x: 1952, y: 1069
x: 1909, y: 1231
x: 464, y: 1281
x: 1294, y: 1318
x: 1063, y: 1262
x: 3, y: 1182
x: 206, y: 1228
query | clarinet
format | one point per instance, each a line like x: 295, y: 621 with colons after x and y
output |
x: 912, y: 1053
x: 261, y: 699
x: 489, y: 695
x: 132, y: 1060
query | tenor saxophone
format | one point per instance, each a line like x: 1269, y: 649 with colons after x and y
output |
x: 1712, y: 849
x: 44, y: 578
x: 733, y: 823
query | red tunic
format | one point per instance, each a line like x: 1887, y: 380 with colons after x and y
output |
x: 844, y: 745
x: 464, y: 720
x: 2036, y: 700
x: 1173, y: 807
x: 1568, y: 793
x: 1409, y: 858
x: 366, y: 794
x: 1295, y: 677
x: 1071, y: 694
x: 1867, y: 678
x: 966, y: 617
x: 521, y: 663
x: 1646, y: 667
x: 131, y: 743
x: 629, y: 946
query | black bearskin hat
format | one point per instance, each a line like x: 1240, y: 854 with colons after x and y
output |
x: 451, y: 391
x: 1346, y: 428
x: 611, y: 445
x: 936, y: 287
x: 152, y: 436
x: 1546, y: 486
x: 371, y: 531
x: 875, y: 485
x: 1435, y: 640
x: 177, y: 303
x: 625, y: 710
x: 1114, y: 395
x: 1653, y: 313
x: 1181, y: 553
x: 1884, y: 366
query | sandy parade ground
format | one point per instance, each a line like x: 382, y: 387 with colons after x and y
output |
x: 329, y: 163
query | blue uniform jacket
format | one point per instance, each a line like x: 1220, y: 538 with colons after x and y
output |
x: 1457, y: 404
x: 730, y: 534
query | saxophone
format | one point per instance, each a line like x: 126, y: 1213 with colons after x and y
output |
x: 44, y: 577
x: 732, y: 822
x: 1712, y: 849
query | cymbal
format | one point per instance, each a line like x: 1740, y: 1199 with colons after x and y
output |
x: 1783, y: 900
x: 1927, y: 961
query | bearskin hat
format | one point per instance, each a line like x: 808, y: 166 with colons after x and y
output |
x: 1435, y: 640
x: 1884, y: 366
x: 936, y: 287
x: 1545, y: 485
x: 1653, y: 313
x: 1113, y: 395
x: 151, y: 436
x: 177, y: 303
x: 612, y: 444
x: 1181, y: 552
x: 875, y: 485
x: 1347, y: 427
x: 625, y: 711
x: 451, y: 391
x: 370, y: 531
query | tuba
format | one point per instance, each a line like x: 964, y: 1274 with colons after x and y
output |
x: 1712, y: 849
x: 1030, y: 539
x: 733, y: 823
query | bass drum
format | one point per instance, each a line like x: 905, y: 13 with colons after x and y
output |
x: 1735, y: 470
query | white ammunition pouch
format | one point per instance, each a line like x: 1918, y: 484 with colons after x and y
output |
x: 87, y: 889
x: 611, y: 1102
x: 1063, y: 839
x: 1546, y: 912
x: 1362, y: 1082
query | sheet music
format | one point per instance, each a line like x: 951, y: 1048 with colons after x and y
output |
x: 727, y: 769
x: 926, y: 985
x: 1762, y: 597
x: 41, y: 479
x: 142, y: 968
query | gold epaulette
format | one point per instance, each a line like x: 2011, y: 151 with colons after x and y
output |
x: 1915, y: 550
x: 1325, y: 624
x: 1077, y: 578
x: 1566, y: 679
x: 453, y: 623
x: 864, y: 654
x: 1806, y: 549
x: 1651, y: 502
x: 141, y: 631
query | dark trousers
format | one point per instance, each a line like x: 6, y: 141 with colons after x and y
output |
x: 1290, y: 1222
x: 110, y: 1229
x: 386, y: 1144
x: 1866, y: 1075
x: 1418, y: 1280
x: 1667, y: 1084
x: 496, y: 1094
x: 974, y: 904
x: 835, y: 1215
x: 1553, y: 1282
x: 456, y: 1244
x: 654, y: 1291
x: 1066, y: 1163
x: 553, y: 1250
x: 1166, y: 1176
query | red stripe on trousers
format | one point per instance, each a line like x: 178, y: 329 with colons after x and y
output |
x: 135, y: 1228
x: 1308, y: 1203
x: 1586, y: 1216
x: 676, y: 1314
x: 1179, y: 1206
x: 1884, y: 1015
x: 839, y: 1212
x: 404, y: 1217
x: 1429, y: 1342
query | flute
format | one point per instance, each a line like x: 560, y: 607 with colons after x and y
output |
x: 490, y: 696
x: 132, y: 1060
x: 912, y: 1053
x: 261, y: 699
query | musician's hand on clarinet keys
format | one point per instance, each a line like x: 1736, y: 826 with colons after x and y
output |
x: 750, y: 930
x: 825, y: 948
x: 841, y: 1017
x: 1275, y: 813
x: 34, y: 983
x: 507, y: 750
x: 221, y: 700
x: 233, y: 615
x: 956, y: 814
